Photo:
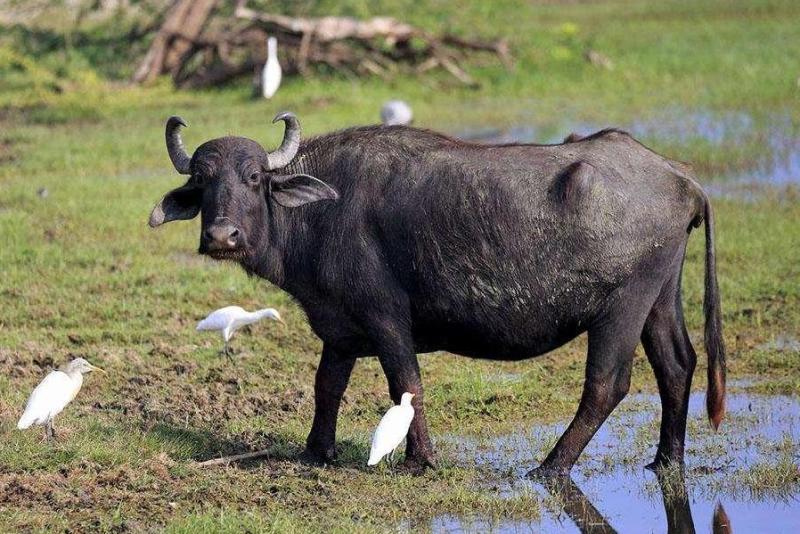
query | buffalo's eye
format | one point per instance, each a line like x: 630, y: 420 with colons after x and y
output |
x: 254, y: 178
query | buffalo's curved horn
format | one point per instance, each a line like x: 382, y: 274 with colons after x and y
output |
x: 291, y: 141
x: 177, y: 153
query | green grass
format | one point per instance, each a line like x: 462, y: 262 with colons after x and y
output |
x: 81, y: 274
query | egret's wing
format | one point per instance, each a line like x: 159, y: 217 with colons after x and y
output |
x: 219, y: 319
x: 50, y: 396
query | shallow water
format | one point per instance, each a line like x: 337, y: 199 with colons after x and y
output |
x: 782, y: 343
x: 611, y: 491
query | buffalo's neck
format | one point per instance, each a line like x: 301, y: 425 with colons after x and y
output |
x: 291, y: 253
x: 291, y: 231
x: 286, y: 255
x: 306, y: 161
x: 270, y: 259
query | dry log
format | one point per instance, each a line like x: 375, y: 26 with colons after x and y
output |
x: 326, y: 29
x: 165, y: 54
x: 192, y: 25
x: 378, y: 46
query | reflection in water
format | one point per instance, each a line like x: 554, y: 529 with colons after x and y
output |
x: 676, y: 502
x: 611, y: 491
x: 678, y: 511
x: 575, y: 504
x: 721, y: 524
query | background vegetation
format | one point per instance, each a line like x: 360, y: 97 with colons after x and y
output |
x: 82, y: 162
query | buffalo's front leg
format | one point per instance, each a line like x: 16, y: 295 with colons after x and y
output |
x: 608, y: 374
x: 400, y: 364
x: 333, y: 374
x: 419, y: 450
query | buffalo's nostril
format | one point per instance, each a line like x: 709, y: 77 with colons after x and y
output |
x: 234, y: 233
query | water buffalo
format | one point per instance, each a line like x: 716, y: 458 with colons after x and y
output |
x: 398, y: 240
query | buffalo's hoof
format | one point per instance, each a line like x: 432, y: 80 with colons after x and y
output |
x: 318, y: 456
x: 661, y: 464
x: 655, y: 466
x: 548, y: 472
x: 417, y: 463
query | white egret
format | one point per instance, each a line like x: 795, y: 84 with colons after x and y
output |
x: 271, y: 73
x: 392, y: 429
x: 229, y: 319
x: 53, y: 394
x: 396, y: 112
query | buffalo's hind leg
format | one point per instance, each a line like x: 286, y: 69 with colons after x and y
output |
x: 673, y: 359
x: 608, y: 376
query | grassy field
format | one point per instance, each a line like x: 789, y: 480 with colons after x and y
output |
x: 81, y: 274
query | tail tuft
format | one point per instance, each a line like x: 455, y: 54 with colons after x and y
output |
x: 715, y: 397
x: 720, y: 524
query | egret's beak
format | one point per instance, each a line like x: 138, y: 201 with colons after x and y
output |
x: 413, y: 395
x: 280, y: 320
x: 95, y: 368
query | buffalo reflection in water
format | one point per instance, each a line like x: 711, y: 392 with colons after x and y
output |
x: 588, y: 518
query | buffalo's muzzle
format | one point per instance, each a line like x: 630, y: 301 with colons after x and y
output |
x: 220, y: 238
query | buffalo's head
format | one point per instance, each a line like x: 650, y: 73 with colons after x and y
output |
x: 233, y: 183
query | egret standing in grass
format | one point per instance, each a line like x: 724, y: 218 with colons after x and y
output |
x: 391, y: 430
x: 271, y: 73
x: 229, y: 319
x: 53, y: 394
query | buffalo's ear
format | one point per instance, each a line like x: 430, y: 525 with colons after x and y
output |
x: 292, y: 190
x: 181, y: 203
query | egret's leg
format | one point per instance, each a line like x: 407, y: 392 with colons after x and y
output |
x: 333, y: 374
x: 49, y: 431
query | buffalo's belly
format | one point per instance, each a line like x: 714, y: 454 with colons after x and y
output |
x: 502, y: 326
x: 484, y: 342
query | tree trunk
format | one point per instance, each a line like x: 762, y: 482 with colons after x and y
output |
x: 185, y: 17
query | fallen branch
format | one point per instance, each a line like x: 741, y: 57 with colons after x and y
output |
x: 235, y: 458
x: 378, y: 46
x: 166, y: 54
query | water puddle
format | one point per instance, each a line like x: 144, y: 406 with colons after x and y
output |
x: 782, y: 343
x: 775, y: 162
x: 743, y: 478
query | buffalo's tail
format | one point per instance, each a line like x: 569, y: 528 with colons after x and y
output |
x: 714, y: 343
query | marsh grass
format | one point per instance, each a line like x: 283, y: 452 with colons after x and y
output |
x: 83, y: 275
